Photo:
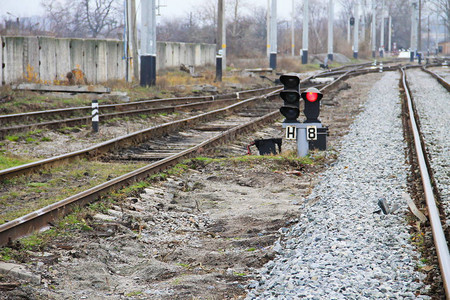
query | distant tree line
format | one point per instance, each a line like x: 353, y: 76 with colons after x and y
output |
x: 246, y: 24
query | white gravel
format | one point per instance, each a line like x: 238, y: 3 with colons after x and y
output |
x: 432, y: 102
x: 341, y: 249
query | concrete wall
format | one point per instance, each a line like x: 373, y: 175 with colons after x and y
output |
x: 48, y: 60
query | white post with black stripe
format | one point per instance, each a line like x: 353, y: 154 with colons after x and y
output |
x: 95, y: 115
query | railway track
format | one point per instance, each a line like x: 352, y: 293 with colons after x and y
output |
x: 170, y: 147
x: 77, y: 116
x: 425, y: 126
x: 41, y: 217
x: 338, y: 250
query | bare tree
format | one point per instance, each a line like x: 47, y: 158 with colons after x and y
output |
x: 441, y: 8
x: 318, y: 26
x: 81, y: 18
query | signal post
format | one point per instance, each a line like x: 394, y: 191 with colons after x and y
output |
x: 306, y: 133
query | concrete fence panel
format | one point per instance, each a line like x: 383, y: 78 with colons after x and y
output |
x: 76, y: 54
x: 112, y: 60
x: 13, y: 59
x: 63, y: 65
x: 48, y: 59
x: 161, y: 60
x: 101, y: 61
x: 31, y: 59
x: 2, y: 44
x: 122, y: 62
x: 90, y: 54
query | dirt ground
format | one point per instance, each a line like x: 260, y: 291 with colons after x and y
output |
x: 197, y: 235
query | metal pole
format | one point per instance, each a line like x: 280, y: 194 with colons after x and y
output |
x: 268, y: 28
x: 292, y: 30
x: 348, y: 30
x: 330, y: 29
x: 413, y: 31
x: 148, y: 43
x: 382, y: 31
x: 374, y: 29
x: 219, y: 38
x: 218, y: 68
x: 134, y: 40
x: 419, y: 30
x: 273, y: 36
x: 363, y: 23
x: 129, y: 43
x: 305, y: 31
x: 356, y: 31
x: 95, y: 115
x: 428, y: 36
x: 224, y: 38
x: 390, y: 35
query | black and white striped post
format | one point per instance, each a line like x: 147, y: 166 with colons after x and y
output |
x: 95, y: 115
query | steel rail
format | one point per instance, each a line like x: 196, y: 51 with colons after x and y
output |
x: 441, y: 80
x: 438, y: 232
x: 86, y: 120
x: 40, y: 218
x: 4, y: 119
x: 158, y: 130
x: 126, y: 140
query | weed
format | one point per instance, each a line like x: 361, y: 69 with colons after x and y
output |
x: 187, y: 266
x: 37, y: 184
x: 6, y: 254
x: 9, y: 161
x: 135, y: 293
x: 12, y: 138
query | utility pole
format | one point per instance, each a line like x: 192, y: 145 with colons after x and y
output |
x: 132, y: 40
x: 419, y: 30
x: 305, y: 32
x: 292, y: 30
x: 363, y: 22
x: 221, y: 44
x: 356, y: 31
x: 330, y: 29
x: 148, y: 43
x: 374, y: 28
x: 273, y: 36
x: 382, y: 31
x: 428, y: 36
x: 348, y: 30
x: 390, y: 34
x: 268, y: 28
x: 413, y: 31
x: 128, y: 40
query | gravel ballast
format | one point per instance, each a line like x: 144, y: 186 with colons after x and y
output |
x: 341, y: 248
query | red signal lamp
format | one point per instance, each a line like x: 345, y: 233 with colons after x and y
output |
x: 311, y: 97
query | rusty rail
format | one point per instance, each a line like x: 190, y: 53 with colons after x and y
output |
x: 40, y: 218
x: 436, y: 225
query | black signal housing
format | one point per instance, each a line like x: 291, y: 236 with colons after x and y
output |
x: 312, y: 97
x: 291, y: 97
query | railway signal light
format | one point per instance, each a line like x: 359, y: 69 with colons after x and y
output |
x: 352, y: 21
x: 312, y: 98
x: 291, y: 97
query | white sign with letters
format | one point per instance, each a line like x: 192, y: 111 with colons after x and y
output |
x: 311, y: 133
x: 291, y: 132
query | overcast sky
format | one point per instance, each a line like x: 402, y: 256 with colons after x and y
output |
x: 27, y: 8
